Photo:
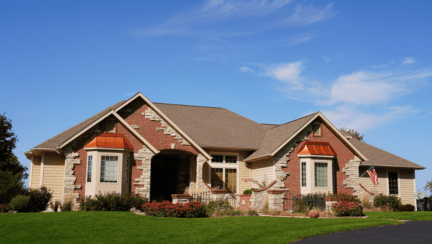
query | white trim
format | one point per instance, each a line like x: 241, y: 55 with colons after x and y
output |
x: 314, y: 156
x: 31, y: 171
x: 335, y: 130
x: 86, y: 180
x: 414, y: 183
x: 398, y: 181
x: 301, y: 175
x: 163, y: 116
x: 42, y: 169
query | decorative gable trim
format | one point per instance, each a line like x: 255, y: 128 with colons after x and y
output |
x: 331, y: 127
x: 171, y: 127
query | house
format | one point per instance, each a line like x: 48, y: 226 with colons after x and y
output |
x: 157, y: 149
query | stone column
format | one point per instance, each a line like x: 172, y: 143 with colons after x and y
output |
x: 199, y: 172
x: 70, y: 178
x: 275, y: 199
x: 145, y: 155
x: 352, y: 171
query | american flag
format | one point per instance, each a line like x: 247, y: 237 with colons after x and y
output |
x: 373, y: 175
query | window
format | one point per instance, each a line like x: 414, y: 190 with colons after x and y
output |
x: 127, y: 169
x: 303, y: 173
x: 224, y: 174
x: 109, y: 167
x: 316, y: 130
x: 393, y: 183
x: 321, y: 174
x: 89, y: 168
x: 110, y: 125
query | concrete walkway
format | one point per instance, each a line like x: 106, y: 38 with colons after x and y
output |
x: 410, y: 232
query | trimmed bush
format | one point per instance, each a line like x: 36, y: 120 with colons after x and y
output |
x: 406, y: 208
x: 111, y: 202
x: 249, y: 191
x: 382, y: 201
x: 347, y: 208
x: 348, y: 198
x: 67, y: 207
x: 168, y: 209
x: 20, y: 203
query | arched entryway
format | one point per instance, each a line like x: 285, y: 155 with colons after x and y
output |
x: 170, y: 174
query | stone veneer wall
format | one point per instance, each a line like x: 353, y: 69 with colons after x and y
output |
x: 145, y: 155
x: 260, y: 197
x: 70, y: 178
x: 353, y: 180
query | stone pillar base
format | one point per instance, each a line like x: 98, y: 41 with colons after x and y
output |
x: 276, y: 199
x: 180, y: 198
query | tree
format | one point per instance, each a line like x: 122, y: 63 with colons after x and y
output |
x: 353, y: 133
x: 428, y: 186
x: 12, y: 173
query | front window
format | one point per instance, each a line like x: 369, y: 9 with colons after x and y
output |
x: 303, y: 173
x: 109, y: 169
x: 89, y: 168
x: 321, y: 174
x: 393, y: 183
x: 224, y: 176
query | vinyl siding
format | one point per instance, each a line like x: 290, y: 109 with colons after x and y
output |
x: 244, y: 173
x: 367, y: 182
x: 263, y: 171
x: 36, y: 171
x: 54, y: 175
x: 406, y: 186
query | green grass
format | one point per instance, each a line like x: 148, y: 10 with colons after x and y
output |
x: 126, y: 227
x: 415, y: 216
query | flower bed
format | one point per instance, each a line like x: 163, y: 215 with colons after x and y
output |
x: 168, y: 209
x: 347, y: 208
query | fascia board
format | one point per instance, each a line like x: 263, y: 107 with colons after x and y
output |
x: 126, y: 124
x: 84, y: 130
x: 258, y: 158
x: 171, y: 123
x: 334, y: 129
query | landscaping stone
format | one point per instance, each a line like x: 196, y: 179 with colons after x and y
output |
x: 313, y: 214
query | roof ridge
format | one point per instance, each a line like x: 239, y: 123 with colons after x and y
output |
x: 295, y: 120
x: 187, y: 105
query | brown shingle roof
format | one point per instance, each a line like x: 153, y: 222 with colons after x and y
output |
x: 276, y: 136
x: 215, y: 127
x: 57, y: 140
x: 379, y: 157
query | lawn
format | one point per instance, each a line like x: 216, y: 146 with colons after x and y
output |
x: 126, y: 227
x: 415, y: 216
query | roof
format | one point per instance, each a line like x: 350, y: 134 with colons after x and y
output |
x: 317, y: 148
x: 57, y: 140
x: 276, y: 136
x: 109, y: 140
x: 379, y: 157
x: 215, y: 127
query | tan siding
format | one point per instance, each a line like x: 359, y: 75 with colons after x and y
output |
x: 54, y: 175
x: 367, y: 182
x: 244, y: 174
x: 36, y: 170
x: 406, y: 186
x: 262, y: 171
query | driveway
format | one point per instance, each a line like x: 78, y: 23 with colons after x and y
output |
x: 410, y: 232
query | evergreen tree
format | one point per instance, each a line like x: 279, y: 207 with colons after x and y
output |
x: 353, y: 133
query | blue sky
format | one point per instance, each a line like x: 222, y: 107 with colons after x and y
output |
x: 365, y: 65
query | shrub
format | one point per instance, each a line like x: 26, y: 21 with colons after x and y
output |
x: 347, y: 208
x: 67, y: 206
x: 111, y: 202
x: 20, y: 203
x: 406, y: 208
x: 168, y: 209
x: 249, y: 191
x: 252, y: 212
x: 212, y: 208
x: 265, y: 209
x: 39, y: 199
x: 4, y: 208
x: 382, y: 201
x: 304, y: 203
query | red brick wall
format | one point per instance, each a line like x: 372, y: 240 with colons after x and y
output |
x: 147, y: 128
x: 344, y: 155
x: 81, y: 169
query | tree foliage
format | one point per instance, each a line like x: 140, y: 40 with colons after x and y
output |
x: 12, y: 173
x: 428, y: 186
x: 353, y: 133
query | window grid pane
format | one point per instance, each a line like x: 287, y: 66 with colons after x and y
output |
x: 217, y: 159
x: 89, y: 168
x: 231, y: 180
x: 393, y: 183
x: 109, y: 165
x: 321, y: 174
x: 303, y: 172
x: 230, y: 159
x: 217, y: 178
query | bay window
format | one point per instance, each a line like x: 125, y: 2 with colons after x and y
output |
x: 109, y: 169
